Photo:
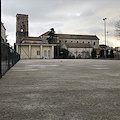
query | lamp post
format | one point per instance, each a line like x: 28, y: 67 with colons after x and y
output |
x: 107, y: 38
x: 104, y: 19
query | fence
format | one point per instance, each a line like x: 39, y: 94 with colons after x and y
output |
x: 8, y: 58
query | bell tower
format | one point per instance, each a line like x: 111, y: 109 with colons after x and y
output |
x: 21, y: 27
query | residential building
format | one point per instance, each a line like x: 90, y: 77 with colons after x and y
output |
x: 3, y: 33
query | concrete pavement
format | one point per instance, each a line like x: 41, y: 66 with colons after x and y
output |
x: 61, y: 90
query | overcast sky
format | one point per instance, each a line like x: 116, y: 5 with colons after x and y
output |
x: 84, y: 17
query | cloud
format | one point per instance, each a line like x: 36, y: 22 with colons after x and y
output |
x: 66, y: 16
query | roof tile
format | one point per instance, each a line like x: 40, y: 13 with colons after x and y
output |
x: 71, y: 36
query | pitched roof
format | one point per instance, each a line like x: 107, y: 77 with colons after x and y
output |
x: 78, y: 45
x: 73, y: 36
x: 45, y: 34
x: 84, y: 37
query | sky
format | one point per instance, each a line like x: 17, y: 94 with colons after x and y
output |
x: 82, y: 17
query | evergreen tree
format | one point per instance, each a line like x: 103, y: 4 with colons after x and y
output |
x: 111, y: 54
x: 51, y: 35
x: 101, y: 53
x: 93, y: 53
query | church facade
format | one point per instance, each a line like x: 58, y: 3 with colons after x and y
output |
x: 40, y: 47
x: 30, y: 47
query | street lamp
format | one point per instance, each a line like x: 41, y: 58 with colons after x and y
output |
x: 104, y: 19
x: 107, y: 38
x: 105, y: 28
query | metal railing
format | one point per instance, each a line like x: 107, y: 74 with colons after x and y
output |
x: 8, y: 58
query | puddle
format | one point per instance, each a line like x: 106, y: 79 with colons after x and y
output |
x: 43, y: 65
x: 24, y: 69
x: 100, y: 67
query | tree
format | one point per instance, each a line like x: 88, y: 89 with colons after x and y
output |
x: 93, y: 53
x: 117, y: 29
x: 64, y: 53
x: 101, y: 53
x: 51, y: 35
x: 111, y: 53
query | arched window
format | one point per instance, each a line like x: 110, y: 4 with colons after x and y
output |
x: 45, y: 53
x: 22, y: 28
x: 48, y: 53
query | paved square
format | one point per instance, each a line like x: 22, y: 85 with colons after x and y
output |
x: 61, y: 90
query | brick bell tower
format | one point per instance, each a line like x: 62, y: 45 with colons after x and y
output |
x: 21, y: 27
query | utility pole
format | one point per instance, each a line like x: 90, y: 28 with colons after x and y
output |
x: 104, y: 19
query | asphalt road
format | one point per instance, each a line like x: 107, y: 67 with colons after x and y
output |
x: 61, y: 90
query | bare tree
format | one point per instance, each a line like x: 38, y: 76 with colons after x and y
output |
x: 117, y: 29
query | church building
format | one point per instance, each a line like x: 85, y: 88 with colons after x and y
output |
x: 40, y: 47
x: 31, y: 47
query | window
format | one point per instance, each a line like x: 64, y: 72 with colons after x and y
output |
x: 65, y: 41
x: 88, y: 42
x: 22, y: 28
x: 77, y: 41
x: 45, y: 53
x: 71, y: 41
x: 94, y: 43
x: 48, y: 53
x: 38, y: 52
x: 83, y: 41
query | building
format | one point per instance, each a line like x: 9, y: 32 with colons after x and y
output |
x: 78, y: 50
x: 3, y: 33
x: 117, y: 52
x: 79, y: 46
x: 30, y: 47
x: 40, y: 47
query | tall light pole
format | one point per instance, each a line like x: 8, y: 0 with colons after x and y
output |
x: 105, y: 28
x: 104, y: 19
x: 107, y: 38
